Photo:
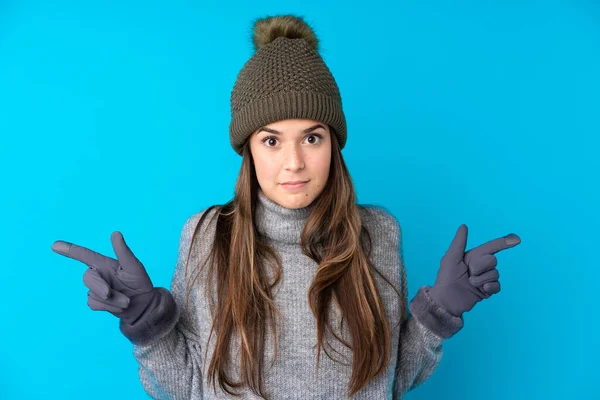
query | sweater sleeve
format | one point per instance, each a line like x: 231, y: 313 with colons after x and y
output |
x: 421, y: 336
x: 419, y: 353
x: 169, y: 364
x: 420, y: 348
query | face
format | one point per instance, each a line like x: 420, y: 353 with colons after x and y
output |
x: 292, y: 150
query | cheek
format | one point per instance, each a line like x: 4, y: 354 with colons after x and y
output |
x: 325, y: 170
x: 266, y: 169
x: 320, y: 164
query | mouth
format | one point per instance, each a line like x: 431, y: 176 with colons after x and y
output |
x: 294, y: 184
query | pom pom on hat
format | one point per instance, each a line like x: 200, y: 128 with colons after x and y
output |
x: 268, y: 29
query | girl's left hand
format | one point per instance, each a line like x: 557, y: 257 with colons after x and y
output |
x: 467, y: 278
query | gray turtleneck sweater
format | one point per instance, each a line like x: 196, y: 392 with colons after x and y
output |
x: 171, y: 361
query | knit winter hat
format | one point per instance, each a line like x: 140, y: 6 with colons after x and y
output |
x: 285, y: 78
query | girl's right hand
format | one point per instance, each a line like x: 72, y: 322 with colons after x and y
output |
x: 120, y: 286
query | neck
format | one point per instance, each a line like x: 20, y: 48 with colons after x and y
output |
x: 279, y: 223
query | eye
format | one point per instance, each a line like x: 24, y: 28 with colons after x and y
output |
x: 316, y: 138
x: 269, y: 139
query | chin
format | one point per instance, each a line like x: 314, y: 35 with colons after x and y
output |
x: 296, y: 200
x: 299, y: 204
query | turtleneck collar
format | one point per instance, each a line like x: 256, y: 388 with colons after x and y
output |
x: 279, y: 223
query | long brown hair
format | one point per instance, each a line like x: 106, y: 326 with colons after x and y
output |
x: 335, y: 238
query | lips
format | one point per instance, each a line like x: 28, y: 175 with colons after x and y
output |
x: 293, y: 185
x: 293, y: 182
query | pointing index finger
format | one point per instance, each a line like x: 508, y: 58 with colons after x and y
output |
x: 496, y: 245
x: 85, y: 255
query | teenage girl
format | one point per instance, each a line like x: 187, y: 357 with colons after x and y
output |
x: 291, y: 266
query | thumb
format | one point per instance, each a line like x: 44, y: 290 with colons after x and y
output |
x: 131, y: 273
x: 127, y: 259
x: 456, y: 251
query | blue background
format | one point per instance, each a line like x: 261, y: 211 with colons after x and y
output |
x: 114, y: 116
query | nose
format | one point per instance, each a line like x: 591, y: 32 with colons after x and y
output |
x: 293, y: 159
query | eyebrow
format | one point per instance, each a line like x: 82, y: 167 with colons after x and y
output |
x: 307, y: 130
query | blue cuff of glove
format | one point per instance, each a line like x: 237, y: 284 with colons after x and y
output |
x: 433, y: 316
x: 155, y: 323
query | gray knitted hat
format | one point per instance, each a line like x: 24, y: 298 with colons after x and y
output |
x: 285, y: 78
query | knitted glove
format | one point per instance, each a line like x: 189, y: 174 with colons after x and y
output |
x: 123, y: 288
x: 467, y: 278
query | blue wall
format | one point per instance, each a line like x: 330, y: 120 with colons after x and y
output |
x: 114, y: 116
